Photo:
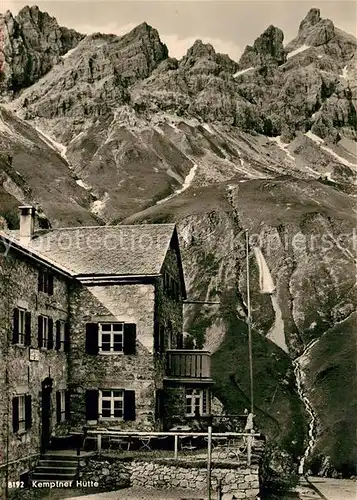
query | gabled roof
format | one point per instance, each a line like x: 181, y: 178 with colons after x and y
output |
x: 128, y: 250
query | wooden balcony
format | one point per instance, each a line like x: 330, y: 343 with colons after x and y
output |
x: 188, y: 364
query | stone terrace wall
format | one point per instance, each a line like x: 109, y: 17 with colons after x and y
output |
x: 242, y: 481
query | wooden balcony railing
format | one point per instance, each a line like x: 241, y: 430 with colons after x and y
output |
x: 188, y: 363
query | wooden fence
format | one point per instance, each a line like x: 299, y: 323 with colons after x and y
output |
x: 224, y: 440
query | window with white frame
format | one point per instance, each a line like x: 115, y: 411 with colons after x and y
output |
x: 22, y: 413
x: 22, y: 326
x: 197, y: 402
x: 45, y: 331
x: 111, y: 404
x: 111, y: 337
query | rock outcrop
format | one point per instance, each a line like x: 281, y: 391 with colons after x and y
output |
x: 268, y: 49
x: 33, y: 43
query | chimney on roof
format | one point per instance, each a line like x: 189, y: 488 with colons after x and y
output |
x: 27, y: 223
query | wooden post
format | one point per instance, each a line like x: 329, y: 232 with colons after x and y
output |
x: 249, y: 450
x: 219, y: 489
x: 99, y: 443
x: 209, y: 460
x: 176, y: 446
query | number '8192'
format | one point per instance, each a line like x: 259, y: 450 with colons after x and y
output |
x: 16, y: 484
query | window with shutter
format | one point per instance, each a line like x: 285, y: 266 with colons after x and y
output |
x: 19, y: 413
x: 19, y: 326
x: 45, y: 281
x: 111, y: 337
x: 111, y: 404
x: 45, y: 332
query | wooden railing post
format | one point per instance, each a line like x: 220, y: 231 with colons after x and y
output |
x: 99, y: 443
x: 176, y: 446
x: 249, y: 450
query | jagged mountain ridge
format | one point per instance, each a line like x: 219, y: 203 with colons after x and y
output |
x: 211, y: 135
x: 32, y: 44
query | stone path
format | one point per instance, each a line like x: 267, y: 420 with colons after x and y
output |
x: 323, y: 488
x: 141, y: 494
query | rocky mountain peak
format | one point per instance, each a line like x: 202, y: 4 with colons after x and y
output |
x: 268, y: 49
x: 200, y: 49
x: 314, y: 30
x: 202, y: 58
x: 311, y: 18
x: 33, y: 44
x: 148, y: 38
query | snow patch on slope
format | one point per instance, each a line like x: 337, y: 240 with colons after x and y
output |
x: 344, y: 72
x: 283, y: 146
x: 320, y: 142
x: 297, y: 51
x: 187, y: 183
x: 276, y: 334
x: 208, y: 128
x: 242, y: 71
x: 98, y: 206
x: 83, y: 185
x: 57, y: 146
x: 69, y: 53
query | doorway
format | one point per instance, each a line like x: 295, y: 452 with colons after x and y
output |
x: 46, y: 413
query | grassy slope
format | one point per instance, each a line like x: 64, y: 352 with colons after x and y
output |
x: 41, y: 175
x: 333, y: 391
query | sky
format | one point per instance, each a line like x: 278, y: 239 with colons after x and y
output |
x: 228, y: 25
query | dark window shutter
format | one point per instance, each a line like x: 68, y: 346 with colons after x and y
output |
x: 15, y: 414
x: 50, y: 284
x: 129, y: 338
x: 40, y: 331
x: 68, y: 402
x: 92, y: 405
x: 27, y: 328
x: 58, y: 335
x: 129, y: 405
x: 156, y: 337
x: 161, y: 339
x: 58, y: 406
x: 15, y: 327
x: 50, y: 334
x: 92, y: 338
x: 40, y: 280
x: 66, y: 337
x: 28, y: 411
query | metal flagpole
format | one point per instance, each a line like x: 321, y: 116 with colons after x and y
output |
x: 249, y: 326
